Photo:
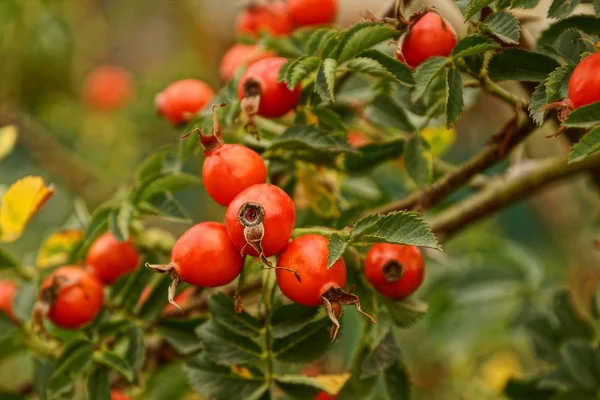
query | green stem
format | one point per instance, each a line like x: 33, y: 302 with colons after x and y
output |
x: 317, y: 230
x: 268, y: 294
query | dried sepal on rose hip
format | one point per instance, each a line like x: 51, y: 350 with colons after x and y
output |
x: 109, y: 259
x: 70, y: 297
x: 8, y: 290
x: 203, y: 256
x: 264, y: 16
x: 394, y: 270
x: 308, y: 255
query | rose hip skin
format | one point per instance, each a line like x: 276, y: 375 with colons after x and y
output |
x: 8, y: 290
x: 276, y: 99
x: 204, y: 256
x: 325, y: 396
x: 179, y: 101
x: 430, y: 36
x: 394, y: 270
x: 312, y: 12
x: 75, y: 295
x: 307, y: 255
x: 357, y: 139
x: 241, y: 55
x: 584, y: 84
x: 278, y: 222
x: 229, y: 169
x: 108, y: 87
x: 110, y: 259
x: 118, y: 395
x: 272, y: 18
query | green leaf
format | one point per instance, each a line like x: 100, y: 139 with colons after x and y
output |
x: 165, y: 205
x: 454, y: 101
x: 74, y: 358
x: 115, y: 363
x: 584, y: 117
x: 301, y: 70
x: 575, y: 394
x: 526, y: 390
x: 362, y: 37
x: 356, y: 388
x: 406, y: 313
x: 305, y: 345
x: 329, y: 120
x: 562, y: 8
x: 170, y: 183
x: 572, y: 325
x: 97, y: 225
x: 397, y: 382
x: 585, y: 23
x: 570, y: 46
x: 472, y: 45
x: 24, y: 300
x: 180, y: 333
x: 374, y: 154
x: 42, y: 372
x: 325, y: 83
x: 98, y: 387
x: 418, y: 160
x: 136, y: 350
x: 223, y: 383
x: 377, y: 63
x: 597, y: 6
x: 398, y: 227
x: 163, y: 161
x: 128, y: 293
x: 425, y: 74
x: 7, y: 327
x: 290, y: 318
x: 223, y: 310
x: 524, y: 3
x: 382, y: 357
x: 119, y: 221
x: 521, y: 65
x: 7, y: 260
x: 475, y: 6
x: 156, y: 300
x: 365, y: 226
x: 317, y: 38
x: 226, y: 347
x: 579, y: 360
x: 299, y: 387
x: 589, y: 144
x: 308, y: 143
x: 384, y: 111
x: 504, y: 26
x: 336, y: 248
x: 538, y: 100
x: 557, y: 83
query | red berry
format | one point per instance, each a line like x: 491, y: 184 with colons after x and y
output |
x: 182, y: 99
x: 260, y: 83
x: 260, y: 220
x: 108, y: 87
x: 229, y: 169
x: 73, y: 295
x: 584, y: 84
x: 324, y: 396
x: 118, y: 395
x: 110, y: 259
x: 8, y: 290
x: 241, y: 55
x: 307, y: 255
x: 312, y: 12
x: 430, y: 36
x: 357, y: 139
x: 395, y: 270
x: 271, y: 18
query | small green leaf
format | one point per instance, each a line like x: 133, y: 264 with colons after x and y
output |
x: 42, y: 372
x: 578, y: 358
x: 119, y: 221
x: 524, y: 3
x: 115, y: 363
x: 522, y: 65
x: 472, y: 45
x: 526, y: 390
x: 329, y: 120
x: 397, y: 382
x: 97, y: 225
x: 398, y: 227
x: 7, y: 326
x: 377, y: 63
x: 325, y: 83
x: 98, y: 387
x: 475, y: 6
x: 290, y: 318
x: 7, y: 260
x: 156, y: 300
x: 165, y: 205
x: 557, y: 83
x: 127, y: 291
x: 418, y: 160
x: 589, y: 144
x: 299, y: 387
x: 305, y: 345
x: 374, y: 154
x: 171, y: 183
x: 180, y: 333
x: 575, y: 394
x: 74, y: 358
x: 24, y: 300
x: 301, y: 70
x: 336, y: 248
x: 223, y: 310
x: 562, y: 8
x: 570, y: 45
x: 406, y: 313
x: 597, y: 6
x: 504, y: 26
x: 572, y: 324
x: 584, y: 117
x: 222, y: 383
x: 135, y: 354
x: 316, y: 39
x: 454, y: 101
x: 426, y: 73
x: 362, y: 37
x: 163, y: 161
x: 225, y: 347
x: 384, y: 111
x: 538, y: 100
x: 585, y: 23
x: 356, y: 388
x: 382, y: 357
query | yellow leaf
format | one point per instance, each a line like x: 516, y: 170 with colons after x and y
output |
x: 333, y: 383
x: 56, y: 248
x: 320, y: 197
x: 440, y: 139
x: 8, y: 139
x: 498, y: 369
x: 20, y: 203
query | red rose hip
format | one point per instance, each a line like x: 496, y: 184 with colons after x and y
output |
x: 584, y: 83
x: 430, y: 36
x: 108, y: 87
x: 8, y: 290
x: 270, y: 18
x: 110, y: 259
x: 312, y: 12
x: 182, y: 99
x: 241, y: 55
x: 394, y: 270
